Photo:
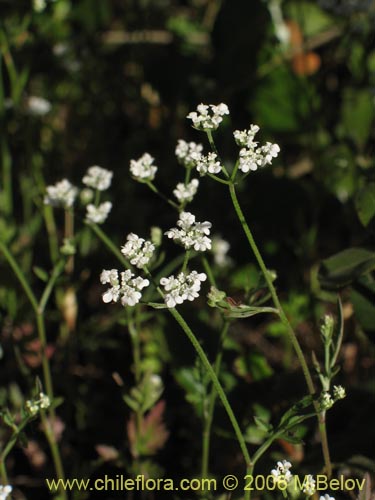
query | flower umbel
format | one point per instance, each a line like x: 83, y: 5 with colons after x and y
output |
x: 309, y: 485
x: 143, y: 169
x: 62, y: 194
x: 33, y: 406
x: 188, y: 152
x: 282, y: 474
x: 98, y: 215
x: 208, y: 164
x: 251, y: 156
x: 138, y: 250
x: 208, y: 116
x: 339, y: 392
x: 191, y: 234
x: 98, y: 178
x: 126, y: 288
x: 183, y: 287
x: 186, y: 192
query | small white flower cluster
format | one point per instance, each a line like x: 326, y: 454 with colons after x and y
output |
x: 326, y: 401
x: 143, y: 169
x: 186, y: 192
x: 38, y: 106
x: 5, y: 491
x: 191, y: 234
x: 208, y: 116
x: 183, y: 287
x: 62, y: 194
x: 326, y: 497
x: 220, y: 249
x: 251, y: 156
x: 126, y: 288
x: 98, y: 215
x: 33, y: 406
x: 209, y: 164
x: 339, y: 392
x: 138, y: 250
x: 188, y: 152
x: 309, y: 485
x: 282, y: 474
x: 98, y: 178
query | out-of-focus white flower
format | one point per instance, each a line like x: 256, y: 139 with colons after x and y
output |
x: 326, y: 497
x: 309, y: 485
x: 188, y: 152
x: 282, y: 472
x: 98, y: 215
x: 186, y: 192
x: 143, y: 169
x: 5, y: 491
x: 33, y: 406
x: 127, y: 288
x: 98, y: 178
x: 191, y: 234
x: 62, y: 194
x: 38, y: 106
x: 138, y: 250
x: 220, y: 249
x: 183, y: 287
x: 208, y: 117
x: 209, y: 164
x: 339, y: 392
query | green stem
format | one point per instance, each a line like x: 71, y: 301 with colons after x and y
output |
x: 215, y: 150
x: 186, y: 261
x: 108, y: 243
x: 162, y: 196
x: 267, y: 276
x: 208, y: 270
x: 8, y: 448
x: 57, y: 270
x: 215, y: 381
x: 39, y: 316
x: 218, y: 179
x: 285, y: 321
x: 211, y: 405
x: 69, y: 234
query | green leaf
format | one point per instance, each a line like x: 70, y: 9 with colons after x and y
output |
x: 262, y: 425
x: 362, y: 296
x: 41, y: 273
x: 344, y: 267
x: 243, y: 311
x: 157, y: 305
x: 365, y: 203
x: 357, y: 115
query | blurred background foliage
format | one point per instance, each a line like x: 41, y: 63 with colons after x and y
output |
x: 118, y: 78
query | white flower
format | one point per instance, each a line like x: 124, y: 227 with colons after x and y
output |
x: 325, y: 401
x: 191, y: 234
x: 208, y: 116
x: 245, y: 138
x: 138, y: 250
x: 98, y: 178
x: 126, y: 288
x: 5, y: 491
x: 186, y: 192
x: 97, y: 215
x: 326, y: 497
x: 34, y: 405
x: 188, y: 152
x: 143, y: 168
x: 251, y: 156
x: 62, y: 194
x: 282, y: 473
x: 208, y: 164
x: 184, y: 287
x: 38, y: 106
x: 339, y: 392
x: 220, y: 249
x: 309, y: 485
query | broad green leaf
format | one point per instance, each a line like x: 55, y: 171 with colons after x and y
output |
x: 365, y: 203
x: 313, y: 18
x: 362, y: 296
x: 357, y: 115
x: 344, y: 267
